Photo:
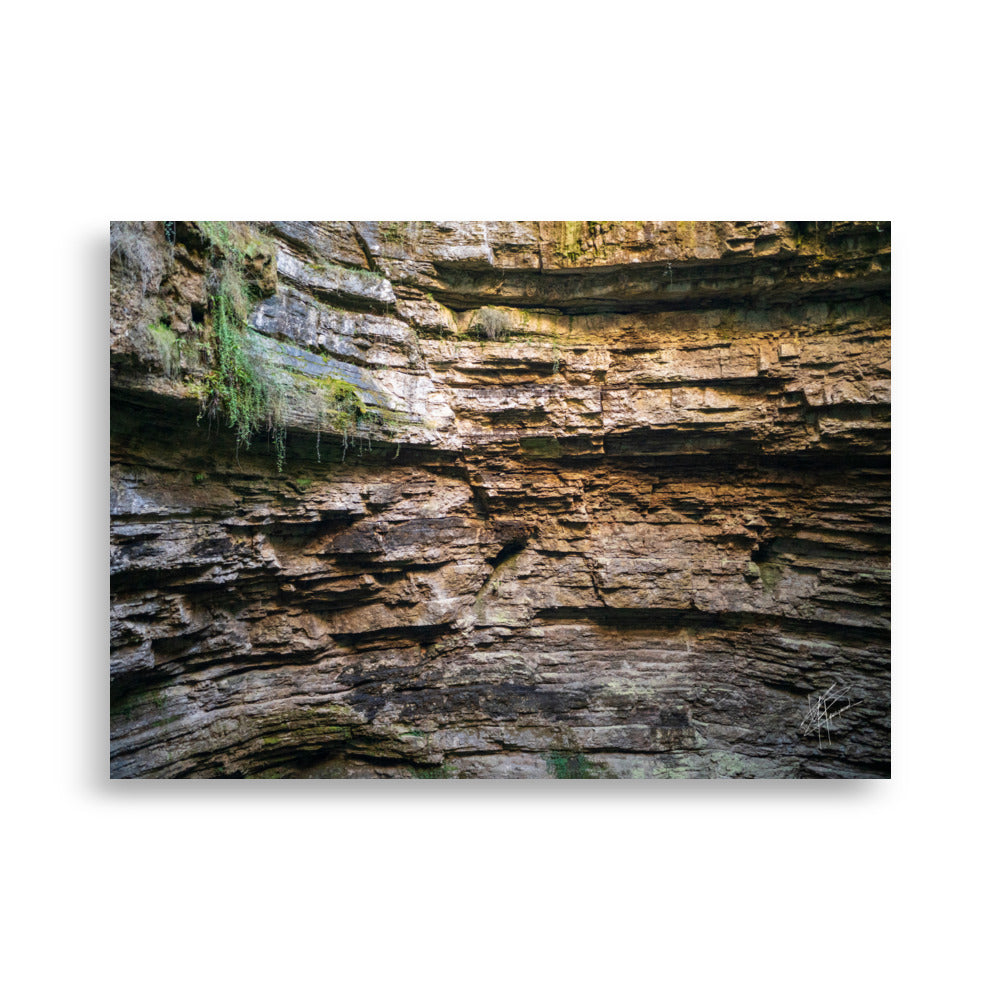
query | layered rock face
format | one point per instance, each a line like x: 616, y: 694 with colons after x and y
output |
x: 613, y: 501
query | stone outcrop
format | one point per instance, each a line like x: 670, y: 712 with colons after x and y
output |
x: 614, y: 500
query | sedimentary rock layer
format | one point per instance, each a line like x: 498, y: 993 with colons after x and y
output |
x: 615, y: 502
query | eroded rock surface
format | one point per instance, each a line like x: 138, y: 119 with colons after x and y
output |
x: 624, y: 510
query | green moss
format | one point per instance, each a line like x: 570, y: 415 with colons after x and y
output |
x: 578, y: 239
x: 335, y: 405
x: 570, y: 240
x: 541, y: 447
x: 235, y: 239
x: 165, y: 343
x: 392, y: 232
x: 561, y: 765
x: 219, y: 234
x: 433, y: 772
x: 687, y: 234
x: 770, y: 574
x: 346, y: 409
x: 138, y: 701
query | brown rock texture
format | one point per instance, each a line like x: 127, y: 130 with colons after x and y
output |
x: 614, y: 502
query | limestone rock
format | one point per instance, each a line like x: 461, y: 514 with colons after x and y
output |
x: 613, y: 501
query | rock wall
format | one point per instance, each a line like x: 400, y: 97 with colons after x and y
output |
x: 615, y: 502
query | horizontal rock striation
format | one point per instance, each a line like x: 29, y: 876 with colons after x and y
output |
x: 614, y: 501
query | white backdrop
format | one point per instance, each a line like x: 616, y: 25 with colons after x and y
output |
x: 468, y: 889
